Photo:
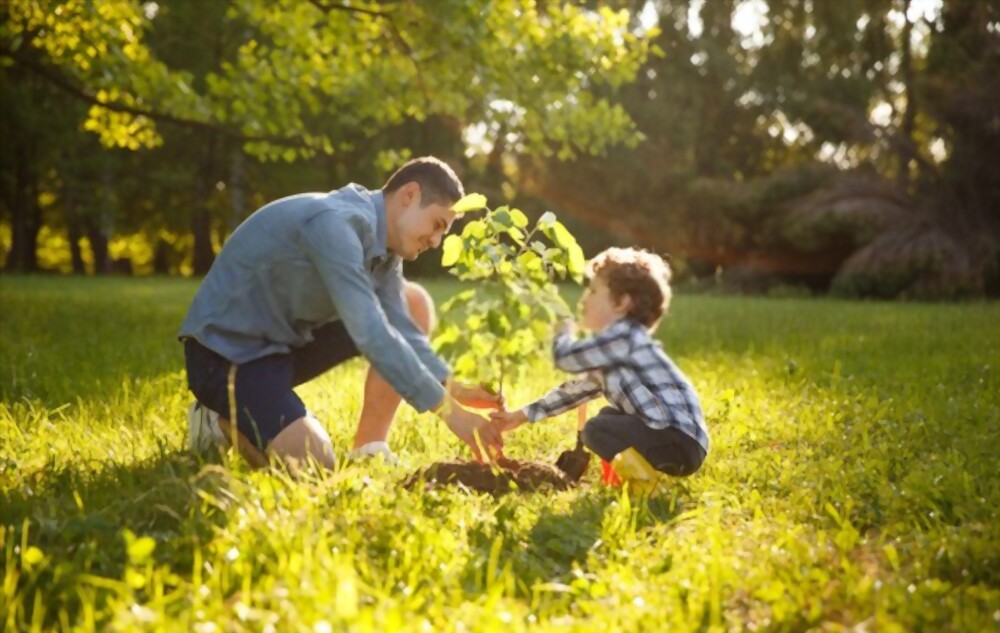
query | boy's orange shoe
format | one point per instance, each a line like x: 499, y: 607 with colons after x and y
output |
x: 609, y: 477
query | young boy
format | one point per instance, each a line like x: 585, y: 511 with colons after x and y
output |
x: 654, y: 408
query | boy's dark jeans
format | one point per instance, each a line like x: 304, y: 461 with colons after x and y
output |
x: 668, y: 450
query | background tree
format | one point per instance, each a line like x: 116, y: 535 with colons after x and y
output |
x: 294, y: 80
x: 843, y: 145
x: 803, y: 141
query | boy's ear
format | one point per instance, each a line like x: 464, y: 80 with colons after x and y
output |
x: 624, y: 303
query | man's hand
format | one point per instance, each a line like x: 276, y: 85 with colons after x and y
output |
x: 504, y: 421
x: 476, y: 396
x: 472, y: 429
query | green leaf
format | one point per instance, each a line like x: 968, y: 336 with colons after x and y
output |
x: 497, y: 322
x: 32, y: 556
x: 470, y: 202
x: 546, y: 220
x: 139, y: 549
x: 577, y: 263
x: 502, y: 219
x: 561, y: 236
x: 447, y: 336
x: 520, y: 220
x: 476, y: 228
x: 451, y: 250
x: 529, y: 260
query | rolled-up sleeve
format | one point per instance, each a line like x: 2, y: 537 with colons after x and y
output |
x: 335, y: 248
x: 390, y: 294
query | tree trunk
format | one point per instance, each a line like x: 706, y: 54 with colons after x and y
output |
x: 201, y: 222
x: 26, y: 220
x: 99, y: 231
x: 71, y: 207
x: 237, y: 193
x: 907, y: 147
x: 99, y: 247
x: 75, y: 234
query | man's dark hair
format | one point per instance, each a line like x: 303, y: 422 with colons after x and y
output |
x: 438, y: 182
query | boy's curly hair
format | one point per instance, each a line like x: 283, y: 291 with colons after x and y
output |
x: 641, y: 276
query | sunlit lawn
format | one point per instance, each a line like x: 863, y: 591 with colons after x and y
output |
x: 853, y: 482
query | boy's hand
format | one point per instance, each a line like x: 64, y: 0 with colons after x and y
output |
x: 505, y: 421
x: 476, y: 396
x: 566, y: 326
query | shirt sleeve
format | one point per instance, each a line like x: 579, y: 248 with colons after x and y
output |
x: 334, y: 244
x: 390, y: 295
x: 563, y: 398
x: 609, y: 348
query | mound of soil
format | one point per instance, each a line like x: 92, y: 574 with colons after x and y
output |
x: 501, y: 477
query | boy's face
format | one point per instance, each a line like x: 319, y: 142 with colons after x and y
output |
x: 598, y: 309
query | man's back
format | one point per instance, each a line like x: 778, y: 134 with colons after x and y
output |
x: 266, y: 291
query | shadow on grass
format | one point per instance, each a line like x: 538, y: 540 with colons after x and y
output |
x: 77, y: 517
x: 561, y: 539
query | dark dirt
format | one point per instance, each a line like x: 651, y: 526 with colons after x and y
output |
x: 501, y: 477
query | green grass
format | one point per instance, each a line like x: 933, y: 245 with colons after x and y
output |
x: 853, y: 482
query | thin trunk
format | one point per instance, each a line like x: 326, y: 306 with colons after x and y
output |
x: 237, y: 192
x: 907, y: 147
x: 99, y: 247
x: 71, y: 207
x: 26, y: 216
x: 99, y: 232
x: 75, y: 231
x: 201, y: 222
x: 162, y: 257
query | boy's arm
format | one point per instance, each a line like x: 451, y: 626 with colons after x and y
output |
x: 563, y: 398
x: 607, y: 349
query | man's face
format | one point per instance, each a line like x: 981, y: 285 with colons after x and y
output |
x: 421, y: 228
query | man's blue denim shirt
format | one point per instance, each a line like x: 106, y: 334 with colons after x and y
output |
x: 304, y: 261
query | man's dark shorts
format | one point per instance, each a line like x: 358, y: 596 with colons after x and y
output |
x: 265, y: 400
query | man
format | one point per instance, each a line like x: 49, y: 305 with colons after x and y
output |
x: 304, y: 284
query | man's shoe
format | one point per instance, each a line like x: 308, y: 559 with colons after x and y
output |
x: 375, y: 449
x: 203, y: 429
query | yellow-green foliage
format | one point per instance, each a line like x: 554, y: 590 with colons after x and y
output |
x: 852, y: 483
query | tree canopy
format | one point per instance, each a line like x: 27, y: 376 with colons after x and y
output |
x: 772, y: 140
x: 294, y: 78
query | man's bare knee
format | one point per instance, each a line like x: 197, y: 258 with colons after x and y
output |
x: 246, y: 448
x: 303, y: 440
x: 421, y: 306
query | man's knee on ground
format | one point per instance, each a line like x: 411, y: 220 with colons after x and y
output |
x: 301, y: 441
x: 421, y: 306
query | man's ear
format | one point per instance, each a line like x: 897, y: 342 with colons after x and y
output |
x: 411, y: 193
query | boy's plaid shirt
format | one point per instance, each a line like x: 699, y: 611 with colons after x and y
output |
x: 634, y: 374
